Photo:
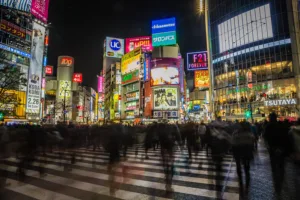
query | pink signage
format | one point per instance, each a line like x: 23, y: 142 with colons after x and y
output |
x: 100, y: 84
x: 132, y: 43
x: 39, y: 9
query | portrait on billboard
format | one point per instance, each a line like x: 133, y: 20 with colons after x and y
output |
x: 165, y: 98
x: 36, y: 67
x: 165, y: 76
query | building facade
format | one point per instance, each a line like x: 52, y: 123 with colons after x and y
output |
x: 255, y: 58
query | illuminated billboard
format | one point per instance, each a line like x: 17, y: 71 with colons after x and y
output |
x: 165, y: 71
x: 147, y: 64
x: 35, y: 70
x: 23, y: 5
x: 144, y: 42
x: 165, y: 76
x: 77, y: 77
x: 65, y: 61
x: 164, y: 32
x: 130, y: 66
x: 100, y: 84
x: 248, y: 27
x: 49, y: 70
x: 13, y: 29
x: 65, y: 89
x: 197, y: 61
x: 201, y: 78
x: 39, y: 9
x: 165, y: 98
x: 114, y: 47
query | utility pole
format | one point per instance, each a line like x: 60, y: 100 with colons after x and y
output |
x: 64, y: 107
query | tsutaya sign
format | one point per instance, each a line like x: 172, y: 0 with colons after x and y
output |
x: 281, y: 102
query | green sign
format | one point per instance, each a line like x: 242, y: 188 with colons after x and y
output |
x: 130, y: 77
x: 246, y: 89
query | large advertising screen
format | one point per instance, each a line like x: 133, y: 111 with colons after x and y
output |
x: 145, y: 42
x: 39, y: 9
x: 165, y: 76
x: 248, y: 27
x: 35, y: 70
x: 201, y: 79
x: 164, y: 32
x: 197, y: 61
x: 130, y: 66
x: 165, y: 71
x: 23, y: 5
x: 165, y: 98
x: 114, y: 47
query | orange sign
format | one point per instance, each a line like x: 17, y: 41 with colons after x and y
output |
x: 201, y: 78
x: 12, y: 29
x: 66, y: 61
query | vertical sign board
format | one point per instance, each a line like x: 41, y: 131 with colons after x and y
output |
x: 147, y: 64
x: 164, y: 32
x: 100, y: 84
x: 39, y: 9
x: 35, y: 70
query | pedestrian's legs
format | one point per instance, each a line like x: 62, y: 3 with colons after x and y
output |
x: 246, y: 163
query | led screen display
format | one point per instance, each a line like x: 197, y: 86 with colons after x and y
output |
x: 248, y: 27
x: 165, y: 98
x: 165, y: 76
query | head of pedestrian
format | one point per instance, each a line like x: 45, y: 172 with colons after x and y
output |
x: 273, y: 117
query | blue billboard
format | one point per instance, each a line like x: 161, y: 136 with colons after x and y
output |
x: 163, y: 25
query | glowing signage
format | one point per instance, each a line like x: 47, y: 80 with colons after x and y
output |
x: 165, y: 76
x: 12, y: 29
x: 163, y: 25
x: 201, y: 78
x: 14, y: 50
x: 49, y: 70
x: 130, y: 77
x: 66, y: 61
x: 281, y: 102
x: 197, y: 61
x: 162, y: 39
x: 39, y: 9
x: 45, y: 61
x: 23, y: 5
x: 147, y: 64
x: 77, y: 77
x: 133, y: 43
x: 100, y: 84
x: 114, y: 47
x: 165, y: 98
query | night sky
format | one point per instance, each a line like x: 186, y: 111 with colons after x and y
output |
x: 78, y: 28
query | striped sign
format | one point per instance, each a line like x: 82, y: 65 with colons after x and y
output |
x: 23, y: 5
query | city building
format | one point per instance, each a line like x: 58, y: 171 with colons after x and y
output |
x: 255, y: 58
x: 23, y: 45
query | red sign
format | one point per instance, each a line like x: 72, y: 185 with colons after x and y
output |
x: 49, y: 70
x: 133, y: 43
x: 77, y: 77
x: 12, y: 29
x: 66, y: 61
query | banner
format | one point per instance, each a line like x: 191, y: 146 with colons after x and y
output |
x: 197, y: 61
x: 39, y: 9
x: 165, y: 98
x: 100, y: 84
x: 35, y: 70
x: 23, y: 5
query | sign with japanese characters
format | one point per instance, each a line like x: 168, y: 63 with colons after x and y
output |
x: 13, y: 29
x: 77, y: 77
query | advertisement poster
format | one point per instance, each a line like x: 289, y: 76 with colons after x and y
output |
x: 130, y: 66
x: 164, y: 32
x: 197, y: 61
x: 35, y: 70
x: 165, y: 76
x: 165, y: 98
x: 201, y: 78
x: 39, y: 9
x: 144, y: 42
x: 64, y: 89
x: 23, y: 5
x: 114, y: 47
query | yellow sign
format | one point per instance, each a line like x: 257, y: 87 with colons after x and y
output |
x: 131, y: 61
x: 201, y: 78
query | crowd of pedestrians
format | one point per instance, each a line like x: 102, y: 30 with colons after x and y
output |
x: 217, y: 138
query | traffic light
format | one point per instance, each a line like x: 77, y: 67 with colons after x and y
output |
x: 1, y: 116
x: 248, y: 114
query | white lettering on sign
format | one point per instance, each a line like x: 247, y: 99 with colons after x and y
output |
x: 164, y: 38
x: 281, y: 102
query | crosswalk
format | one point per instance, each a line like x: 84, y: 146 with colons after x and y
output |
x: 89, y: 178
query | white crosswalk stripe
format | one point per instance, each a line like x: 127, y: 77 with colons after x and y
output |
x: 143, y: 179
